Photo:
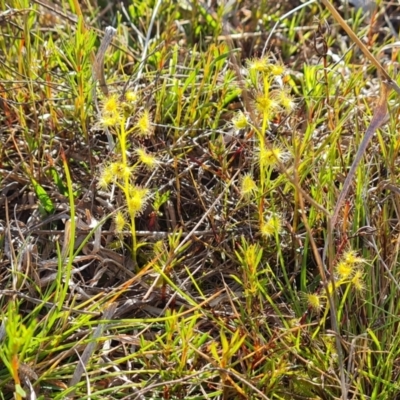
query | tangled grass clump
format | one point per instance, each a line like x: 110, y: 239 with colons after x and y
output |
x: 165, y: 205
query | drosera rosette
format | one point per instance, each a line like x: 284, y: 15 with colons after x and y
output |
x: 146, y: 159
x: 348, y: 275
x: 111, y: 104
x: 130, y: 102
x: 266, y: 65
x: 122, y: 172
x: 277, y: 69
x: 266, y: 105
x: 284, y: 99
x: 143, y: 127
x: 272, y: 101
x: 115, y: 173
x: 271, y: 225
x: 248, y: 186
x: 137, y: 198
x: 131, y: 96
x: 106, y: 177
x: 264, y: 68
x: 111, y: 111
x: 120, y: 221
x: 258, y: 64
x: 269, y: 88
x: 271, y: 155
x: 110, y: 120
x: 349, y: 270
x: 315, y: 301
x: 240, y: 121
x: 357, y: 281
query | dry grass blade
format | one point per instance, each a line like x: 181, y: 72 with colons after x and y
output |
x: 98, y: 66
x: 391, y: 83
x: 378, y: 119
x: 84, y: 359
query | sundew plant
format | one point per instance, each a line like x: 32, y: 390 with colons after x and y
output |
x: 198, y: 200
